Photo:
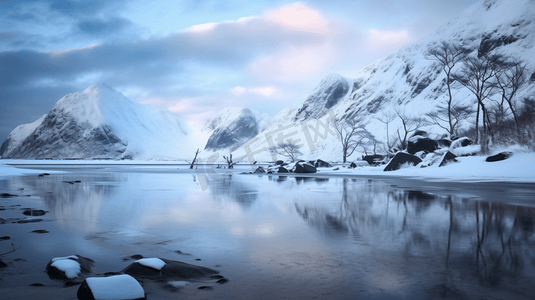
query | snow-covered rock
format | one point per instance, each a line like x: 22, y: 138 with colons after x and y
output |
x: 100, y: 122
x: 117, y: 287
x: 234, y: 126
x: 68, y: 267
x: 400, y: 159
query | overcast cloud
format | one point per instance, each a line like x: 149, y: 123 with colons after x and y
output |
x: 196, y: 57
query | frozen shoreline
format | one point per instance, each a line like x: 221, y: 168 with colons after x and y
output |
x: 519, y: 168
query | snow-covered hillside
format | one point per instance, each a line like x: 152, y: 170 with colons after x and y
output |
x: 234, y: 126
x: 407, y: 81
x: 100, y: 122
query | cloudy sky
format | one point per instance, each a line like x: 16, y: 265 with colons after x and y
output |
x: 195, y: 57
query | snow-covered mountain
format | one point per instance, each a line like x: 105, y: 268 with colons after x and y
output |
x: 100, y: 122
x: 234, y: 126
x: 407, y: 81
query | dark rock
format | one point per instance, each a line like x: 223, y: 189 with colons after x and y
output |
x: 197, y: 259
x: 3, y: 264
x: 373, y: 160
x: 442, y: 143
x: 222, y: 281
x: 401, y: 158
x: 2, y: 221
x: 304, y: 168
x: 259, y: 170
x: 447, y: 158
x: 216, y: 277
x: 279, y: 163
x: 205, y: 287
x: 29, y: 221
x: 352, y: 165
x: 462, y: 142
x: 322, y: 164
x: 500, y: 156
x: 418, y: 144
x: 40, y: 231
x: 282, y: 170
x: 34, y: 212
x: 6, y: 195
x: 172, y: 269
x: 4, y: 238
x: 136, y: 256
x: 36, y: 284
x: 86, y: 265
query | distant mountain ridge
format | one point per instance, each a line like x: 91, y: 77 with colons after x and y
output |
x: 99, y: 122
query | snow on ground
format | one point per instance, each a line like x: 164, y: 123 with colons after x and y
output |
x: 519, y: 168
x: 6, y: 170
x: 115, y: 287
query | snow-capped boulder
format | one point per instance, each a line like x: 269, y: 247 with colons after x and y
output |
x: 304, y: 167
x: 234, y: 126
x: 322, y: 164
x: 117, y: 287
x: 400, y: 159
x: 69, y: 267
x: 373, y: 160
x: 259, y: 170
x: 327, y: 94
x: 100, y: 122
x: 153, y: 269
x: 500, y: 156
x: 447, y: 158
x: 420, y: 143
x: 461, y: 142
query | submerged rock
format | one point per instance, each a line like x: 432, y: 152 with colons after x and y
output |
x: 402, y: 158
x: 166, y: 269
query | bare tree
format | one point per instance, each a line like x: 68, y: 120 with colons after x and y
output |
x: 287, y: 149
x: 230, y: 163
x: 409, y: 125
x: 510, y: 77
x: 450, y: 118
x: 477, y: 75
x: 386, y: 118
x: 194, y: 159
x: 448, y: 55
x: 351, y: 134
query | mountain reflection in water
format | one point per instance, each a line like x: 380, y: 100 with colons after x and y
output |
x: 307, y: 236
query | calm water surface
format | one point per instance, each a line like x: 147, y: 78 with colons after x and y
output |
x: 281, y: 236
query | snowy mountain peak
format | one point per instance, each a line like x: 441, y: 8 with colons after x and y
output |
x: 326, y: 95
x: 233, y: 126
x: 100, y: 122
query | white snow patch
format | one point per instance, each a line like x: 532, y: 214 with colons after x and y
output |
x: 69, y: 266
x: 154, y: 263
x: 115, y: 287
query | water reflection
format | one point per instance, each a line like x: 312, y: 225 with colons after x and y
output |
x: 76, y: 200
x: 494, y: 240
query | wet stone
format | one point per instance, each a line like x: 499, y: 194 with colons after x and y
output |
x: 40, y: 231
x: 36, y: 284
x: 34, y: 212
x: 29, y: 221
x: 222, y: 281
x: 4, y: 238
x: 205, y: 287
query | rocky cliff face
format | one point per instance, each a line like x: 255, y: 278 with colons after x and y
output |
x: 232, y: 127
x: 98, y: 123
